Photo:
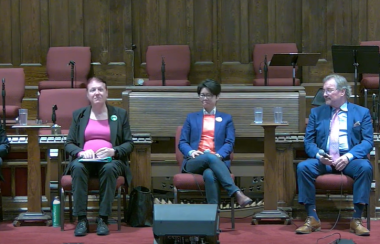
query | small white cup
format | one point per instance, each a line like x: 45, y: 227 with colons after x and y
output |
x: 258, y: 111
x: 278, y: 114
x: 23, y: 116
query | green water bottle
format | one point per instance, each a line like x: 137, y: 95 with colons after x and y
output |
x: 56, y: 213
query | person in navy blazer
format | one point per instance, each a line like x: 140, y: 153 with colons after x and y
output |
x: 98, y: 131
x: 207, y: 140
x: 355, y: 143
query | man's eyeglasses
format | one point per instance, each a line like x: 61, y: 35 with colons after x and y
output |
x: 329, y: 91
x: 100, y: 89
x: 203, y: 96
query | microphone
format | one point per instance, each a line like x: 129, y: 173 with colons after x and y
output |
x: 71, y: 62
x: 163, y: 70
x: 323, y: 154
x: 53, y: 116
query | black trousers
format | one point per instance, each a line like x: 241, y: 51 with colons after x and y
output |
x: 107, y: 174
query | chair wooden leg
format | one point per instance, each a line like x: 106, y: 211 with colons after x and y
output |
x: 232, y: 213
x: 125, y: 205
x: 62, y: 209
x: 368, y: 216
x: 119, y: 209
x: 71, y: 207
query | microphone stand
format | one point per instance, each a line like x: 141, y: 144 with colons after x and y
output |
x: 3, y: 95
x: 265, y: 71
x: 355, y: 64
x: 55, y: 129
x: 163, y: 71
x: 53, y: 115
x: 72, y: 64
x: 374, y: 112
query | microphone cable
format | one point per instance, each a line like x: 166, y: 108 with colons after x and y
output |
x: 195, y: 179
x: 340, y: 204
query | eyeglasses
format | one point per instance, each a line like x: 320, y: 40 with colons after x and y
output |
x: 100, y: 89
x: 329, y: 91
x: 203, y: 96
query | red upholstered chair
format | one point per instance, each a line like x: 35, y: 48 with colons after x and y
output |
x: 59, y: 72
x: 177, y: 65
x: 191, y: 183
x: 14, y: 91
x: 277, y: 75
x: 369, y: 81
x: 337, y: 184
x: 67, y: 101
x: 93, y: 189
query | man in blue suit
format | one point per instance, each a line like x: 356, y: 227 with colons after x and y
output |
x: 207, y: 140
x: 354, y: 141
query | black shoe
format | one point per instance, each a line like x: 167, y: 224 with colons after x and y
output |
x: 102, y: 228
x: 82, y: 228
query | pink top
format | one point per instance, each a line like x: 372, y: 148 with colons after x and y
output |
x: 97, y: 135
x: 207, y: 137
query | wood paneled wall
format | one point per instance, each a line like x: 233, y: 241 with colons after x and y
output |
x: 220, y: 33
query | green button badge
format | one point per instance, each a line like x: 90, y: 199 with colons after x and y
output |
x: 113, y: 117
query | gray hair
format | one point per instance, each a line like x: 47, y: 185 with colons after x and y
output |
x: 341, y: 83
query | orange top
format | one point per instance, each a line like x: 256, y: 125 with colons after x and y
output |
x: 207, y: 137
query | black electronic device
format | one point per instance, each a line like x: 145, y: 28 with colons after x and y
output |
x: 186, y: 223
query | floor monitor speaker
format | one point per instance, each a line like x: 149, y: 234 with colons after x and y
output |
x: 186, y: 223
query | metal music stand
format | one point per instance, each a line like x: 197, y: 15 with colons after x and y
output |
x: 294, y: 59
x: 355, y: 59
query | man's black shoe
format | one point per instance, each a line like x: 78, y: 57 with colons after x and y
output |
x: 82, y: 228
x: 102, y: 228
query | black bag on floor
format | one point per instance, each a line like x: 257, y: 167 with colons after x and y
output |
x: 140, y: 207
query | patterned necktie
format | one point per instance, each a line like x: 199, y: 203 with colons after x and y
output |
x: 334, y: 137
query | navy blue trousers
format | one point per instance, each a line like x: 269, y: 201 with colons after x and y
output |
x: 358, y: 169
x: 214, y: 172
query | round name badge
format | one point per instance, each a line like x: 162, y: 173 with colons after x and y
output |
x: 219, y: 119
x: 113, y: 117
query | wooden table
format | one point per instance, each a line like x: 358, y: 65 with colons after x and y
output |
x: 34, y: 213
x: 270, y: 176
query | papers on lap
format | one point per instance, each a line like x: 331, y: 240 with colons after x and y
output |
x: 95, y: 160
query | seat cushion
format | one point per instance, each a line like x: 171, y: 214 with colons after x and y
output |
x: 14, y: 85
x: 186, y: 181
x: 333, y: 182
x: 167, y: 83
x: 10, y: 111
x: 276, y: 82
x: 43, y: 85
x: 57, y: 60
x: 67, y: 101
x: 370, y: 82
x: 176, y: 58
x: 93, y: 183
